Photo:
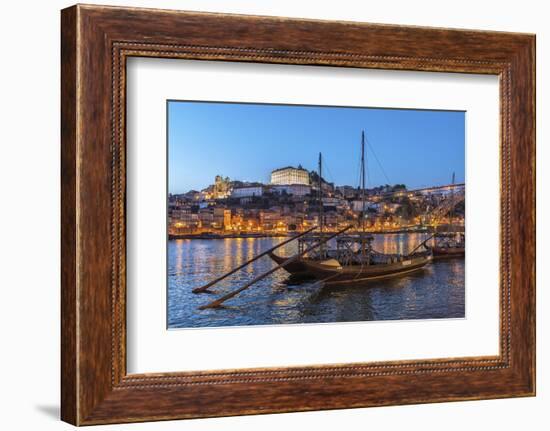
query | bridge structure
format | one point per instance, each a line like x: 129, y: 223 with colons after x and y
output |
x: 447, y: 188
x: 446, y: 206
x: 441, y: 189
x: 454, y: 195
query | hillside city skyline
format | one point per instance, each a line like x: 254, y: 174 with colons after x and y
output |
x: 245, y: 142
x: 251, y: 183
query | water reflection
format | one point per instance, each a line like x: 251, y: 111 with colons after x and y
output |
x: 434, y: 292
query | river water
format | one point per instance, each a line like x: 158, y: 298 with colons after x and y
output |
x: 437, y: 291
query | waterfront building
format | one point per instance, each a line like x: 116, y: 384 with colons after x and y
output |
x: 347, y: 191
x: 331, y: 202
x: 222, y: 218
x: 206, y: 217
x: 331, y: 219
x: 269, y: 219
x: 237, y: 222
x: 292, y: 189
x: 290, y: 175
x: 184, y: 221
x: 179, y: 212
x: 390, y: 207
x: 246, y: 192
x: 358, y: 206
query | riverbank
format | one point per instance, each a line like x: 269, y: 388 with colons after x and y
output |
x: 282, y: 234
x: 224, y: 236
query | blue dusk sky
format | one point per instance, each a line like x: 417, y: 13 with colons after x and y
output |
x: 247, y: 141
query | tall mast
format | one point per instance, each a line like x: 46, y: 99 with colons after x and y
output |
x: 363, y: 192
x: 321, y: 198
x: 363, y: 181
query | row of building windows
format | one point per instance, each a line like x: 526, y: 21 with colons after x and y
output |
x: 290, y: 175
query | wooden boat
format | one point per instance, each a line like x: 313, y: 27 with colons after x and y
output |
x: 448, y: 246
x: 447, y: 252
x: 332, y: 273
x: 354, y: 259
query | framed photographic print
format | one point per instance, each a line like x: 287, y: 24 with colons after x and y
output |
x: 269, y: 215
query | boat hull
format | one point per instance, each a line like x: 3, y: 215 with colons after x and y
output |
x: 356, y: 273
x: 297, y: 267
x: 447, y: 252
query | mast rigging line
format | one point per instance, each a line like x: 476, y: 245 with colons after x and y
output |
x: 421, y: 244
x: 377, y: 160
x: 328, y: 177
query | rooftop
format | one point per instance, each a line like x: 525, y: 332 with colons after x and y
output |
x: 299, y: 168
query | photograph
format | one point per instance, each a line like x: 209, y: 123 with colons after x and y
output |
x: 284, y: 214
